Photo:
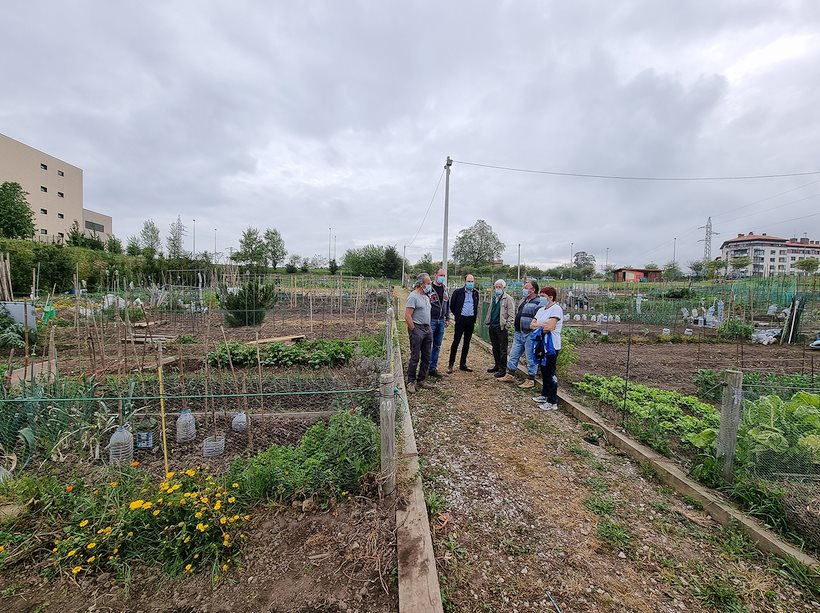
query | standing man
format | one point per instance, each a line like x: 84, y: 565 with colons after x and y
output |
x: 500, y: 318
x: 417, y: 316
x: 527, y: 308
x: 464, y: 305
x: 550, y: 318
x: 439, y: 317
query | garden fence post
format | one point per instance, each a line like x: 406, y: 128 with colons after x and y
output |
x: 730, y: 408
x: 387, y: 411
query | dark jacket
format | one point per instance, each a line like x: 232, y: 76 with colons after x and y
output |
x: 527, y: 310
x: 439, y: 310
x: 457, y: 301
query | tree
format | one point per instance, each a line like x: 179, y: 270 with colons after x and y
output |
x: 740, y: 262
x: 75, y: 236
x: 697, y: 267
x: 652, y: 266
x: 807, y: 265
x: 294, y: 262
x: 582, y: 259
x: 132, y: 247
x: 333, y: 267
x: 274, y: 247
x: 672, y: 272
x: 149, y: 239
x: 391, y: 264
x: 426, y: 264
x: 16, y: 216
x: 114, y: 245
x: 713, y: 266
x: 477, y: 245
x: 251, y: 250
x: 174, y: 240
x: 367, y: 261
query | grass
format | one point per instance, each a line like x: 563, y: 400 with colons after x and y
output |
x: 720, y: 594
x: 537, y: 426
x: 580, y: 451
x: 647, y: 471
x: 615, y: 534
x: 596, y: 484
x: 692, y: 502
x: 600, y: 505
x: 734, y: 544
x: 436, y: 503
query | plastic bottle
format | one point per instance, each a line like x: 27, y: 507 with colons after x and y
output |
x: 121, y: 447
x: 186, y: 427
x: 239, y: 422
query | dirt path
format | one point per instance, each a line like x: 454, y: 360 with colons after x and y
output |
x: 522, y: 506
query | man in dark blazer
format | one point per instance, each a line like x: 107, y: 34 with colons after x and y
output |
x: 464, y: 307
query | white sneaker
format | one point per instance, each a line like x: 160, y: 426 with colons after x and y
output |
x: 539, y: 399
x: 548, y: 406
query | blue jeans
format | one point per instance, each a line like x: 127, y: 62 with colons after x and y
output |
x: 521, y: 343
x: 438, y: 338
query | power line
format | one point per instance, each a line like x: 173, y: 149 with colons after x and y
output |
x: 421, y: 225
x: 637, y: 178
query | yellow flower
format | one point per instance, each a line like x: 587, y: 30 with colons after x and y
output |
x: 234, y: 485
x: 170, y: 475
x: 224, y: 567
x: 130, y: 533
x: 174, y: 488
x: 2, y: 549
x: 203, y: 500
x: 198, y: 514
x: 159, y: 500
x: 113, y: 484
x: 76, y: 569
x: 136, y: 504
x: 218, y: 505
x: 107, y: 530
x: 202, y: 527
x: 163, y: 486
x: 52, y: 551
x: 189, y: 567
x: 134, y: 464
x: 187, y: 538
x: 223, y: 520
x: 231, y: 499
x: 181, y: 524
x: 155, y: 513
x: 91, y: 559
x: 246, y: 517
x: 147, y: 504
x: 91, y: 545
x: 71, y: 553
x: 116, y: 549
x: 190, y: 472
x: 83, y: 523
x: 196, y: 555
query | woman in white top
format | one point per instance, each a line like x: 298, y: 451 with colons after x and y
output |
x: 551, y: 319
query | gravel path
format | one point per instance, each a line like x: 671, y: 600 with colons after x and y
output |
x: 522, y: 507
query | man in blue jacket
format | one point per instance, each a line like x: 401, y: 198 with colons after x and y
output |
x: 522, y: 343
x: 464, y: 306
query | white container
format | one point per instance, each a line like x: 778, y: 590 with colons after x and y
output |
x: 186, y: 427
x: 239, y: 422
x: 121, y: 447
x: 214, y: 446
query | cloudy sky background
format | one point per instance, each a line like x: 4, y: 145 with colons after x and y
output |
x: 315, y: 115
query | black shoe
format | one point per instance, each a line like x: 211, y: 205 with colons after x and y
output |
x: 435, y: 374
x: 492, y: 369
x: 450, y: 369
x: 465, y: 368
x: 500, y: 373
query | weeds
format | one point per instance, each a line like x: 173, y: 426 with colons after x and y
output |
x: 536, y: 426
x: 436, y: 503
x: 596, y: 484
x: 719, y: 594
x: 615, y: 534
x: 600, y: 505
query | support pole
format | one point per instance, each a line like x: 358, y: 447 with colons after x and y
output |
x: 387, y: 412
x: 730, y: 408
x: 447, y: 166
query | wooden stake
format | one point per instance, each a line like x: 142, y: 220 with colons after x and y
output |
x: 162, y: 408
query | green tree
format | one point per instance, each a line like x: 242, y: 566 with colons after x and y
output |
x: 713, y: 266
x: 367, y: 261
x: 251, y: 250
x: 391, y: 263
x: 333, y: 267
x: 807, y: 265
x: 274, y: 247
x: 75, y: 236
x: 294, y: 262
x: 477, y: 245
x: 740, y: 262
x: 697, y: 267
x: 132, y: 247
x: 652, y: 266
x: 672, y: 272
x: 149, y: 239
x: 16, y: 216
x: 114, y: 245
x: 174, y: 241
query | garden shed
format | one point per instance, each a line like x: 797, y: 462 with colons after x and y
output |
x: 636, y: 274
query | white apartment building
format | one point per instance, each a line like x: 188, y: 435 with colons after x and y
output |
x: 55, y: 191
x: 770, y: 255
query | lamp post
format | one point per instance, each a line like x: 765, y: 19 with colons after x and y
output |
x: 194, y: 253
x: 674, y: 248
x: 519, y: 262
x: 214, y: 244
x: 403, y: 259
x: 571, y: 245
x: 329, y: 234
x: 607, y: 260
x: 447, y: 166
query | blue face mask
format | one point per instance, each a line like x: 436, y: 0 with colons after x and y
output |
x: 469, y: 285
x: 428, y: 289
x: 498, y: 291
x: 525, y: 292
x: 441, y: 280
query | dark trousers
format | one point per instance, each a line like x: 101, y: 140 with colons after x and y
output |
x: 500, y: 341
x: 421, y: 346
x: 464, y: 327
x: 550, y: 387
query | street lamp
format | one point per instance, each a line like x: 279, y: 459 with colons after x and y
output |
x: 194, y: 253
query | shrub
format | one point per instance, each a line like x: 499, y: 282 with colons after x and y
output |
x: 248, y: 306
x: 735, y: 329
x: 315, y: 353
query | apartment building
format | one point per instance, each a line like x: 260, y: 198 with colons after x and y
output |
x: 770, y: 255
x: 55, y: 191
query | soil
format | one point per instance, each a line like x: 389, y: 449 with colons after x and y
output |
x: 338, y: 560
x: 508, y: 486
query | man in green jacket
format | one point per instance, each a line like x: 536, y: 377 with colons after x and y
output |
x: 500, y: 318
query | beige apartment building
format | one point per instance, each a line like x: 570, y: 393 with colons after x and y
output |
x: 769, y: 255
x: 55, y: 191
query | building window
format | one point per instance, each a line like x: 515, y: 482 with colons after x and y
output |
x: 771, y: 259
x: 60, y: 173
x: 43, y: 211
x: 60, y: 195
x: 95, y: 227
x: 60, y: 234
x: 43, y: 231
x: 43, y: 166
x: 60, y: 216
x: 43, y: 188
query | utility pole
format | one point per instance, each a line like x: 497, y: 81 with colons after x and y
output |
x: 194, y: 253
x: 447, y: 166
x: 607, y: 260
x: 403, y: 260
x: 674, y: 249
x: 519, y: 262
x: 329, y: 234
x: 214, y: 245
x: 571, y: 245
x: 334, y: 246
x: 707, y: 240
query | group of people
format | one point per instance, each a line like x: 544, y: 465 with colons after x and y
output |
x: 536, y: 322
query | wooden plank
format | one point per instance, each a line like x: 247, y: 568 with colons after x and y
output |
x: 277, y: 339
x: 165, y: 361
x: 145, y: 324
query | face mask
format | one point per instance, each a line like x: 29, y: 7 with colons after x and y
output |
x: 428, y: 289
x: 498, y: 291
x: 525, y: 292
x: 441, y: 280
x: 469, y: 285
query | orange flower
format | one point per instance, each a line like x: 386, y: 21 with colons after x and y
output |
x: 134, y: 464
x: 68, y: 488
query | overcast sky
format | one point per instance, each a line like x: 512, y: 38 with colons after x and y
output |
x: 314, y: 115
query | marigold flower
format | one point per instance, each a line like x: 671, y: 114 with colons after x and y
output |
x: 107, y: 530
x: 190, y: 472
x: 231, y: 499
x: 114, y: 484
x: 134, y: 464
x: 116, y: 549
x: 201, y: 527
x: 224, y: 567
x: 234, y: 485
x: 155, y: 513
x: 164, y: 486
x: 71, y: 553
x: 91, y: 559
x: 136, y: 504
x: 187, y: 538
x: 91, y: 545
x: 3, y: 548
x: 218, y: 505
x: 189, y: 567
x: 68, y: 488
x: 147, y: 504
x: 76, y: 569
x: 130, y: 533
x: 223, y: 520
x: 83, y: 523
x: 198, y: 514
x: 203, y: 500
x: 181, y: 524
x: 170, y: 475
x: 246, y: 517
x: 196, y: 555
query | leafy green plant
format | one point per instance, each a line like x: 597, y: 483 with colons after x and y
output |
x: 719, y: 593
x: 436, y: 503
x: 316, y: 353
x: 734, y: 329
x: 709, y: 384
x: 248, y: 305
x: 600, y: 505
x: 615, y: 534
